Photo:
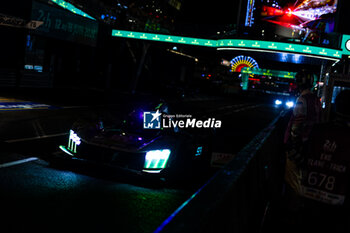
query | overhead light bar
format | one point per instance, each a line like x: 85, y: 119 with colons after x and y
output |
x: 71, y: 8
x: 237, y: 44
x: 164, y: 38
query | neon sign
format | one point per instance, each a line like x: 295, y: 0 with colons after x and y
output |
x: 239, y: 62
x: 265, y: 72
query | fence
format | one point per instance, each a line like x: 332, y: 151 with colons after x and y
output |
x: 236, y: 198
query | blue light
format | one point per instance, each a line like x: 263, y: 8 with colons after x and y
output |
x: 174, y: 48
x: 199, y: 151
x: 103, y: 16
x: 176, y: 212
x: 38, y: 68
x: 28, y: 41
x: 283, y: 57
x: 290, y: 104
x: 296, y: 58
x: 278, y: 102
x: 28, y: 67
x: 249, y: 20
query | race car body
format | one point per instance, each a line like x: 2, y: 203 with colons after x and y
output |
x: 162, y: 152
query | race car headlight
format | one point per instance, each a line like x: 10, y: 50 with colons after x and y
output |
x: 155, y: 160
x: 73, y: 141
x: 290, y: 104
x: 278, y: 102
x: 65, y: 150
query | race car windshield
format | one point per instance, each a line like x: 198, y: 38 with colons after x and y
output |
x: 134, y: 122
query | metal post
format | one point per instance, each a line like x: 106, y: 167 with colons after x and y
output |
x: 322, y: 77
x: 245, y: 80
x: 239, y: 13
x: 108, y: 76
x: 329, y: 85
x: 183, y: 73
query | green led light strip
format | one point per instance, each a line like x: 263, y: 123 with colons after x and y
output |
x: 238, y: 44
x: 63, y: 148
x: 280, y: 46
x: 164, y: 38
x: 71, y: 8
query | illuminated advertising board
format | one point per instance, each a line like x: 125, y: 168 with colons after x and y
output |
x: 305, y: 20
x: 62, y: 24
x: 272, y: 73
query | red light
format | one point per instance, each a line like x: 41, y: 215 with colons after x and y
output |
x: 271, y: 11
x: 209, y: 75
x: 289, y: 12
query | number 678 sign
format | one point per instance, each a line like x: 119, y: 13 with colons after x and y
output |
x: 328, y: 188
x: 321, y: 180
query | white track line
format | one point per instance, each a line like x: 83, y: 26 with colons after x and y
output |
x: 70, y: 107
x: 10, y: 164
x: 35, y: 138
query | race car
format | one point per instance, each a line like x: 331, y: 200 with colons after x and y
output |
x: 283, y: 101
x: 126, y: 145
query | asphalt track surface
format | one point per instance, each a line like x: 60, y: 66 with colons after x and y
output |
x: 37, y: 197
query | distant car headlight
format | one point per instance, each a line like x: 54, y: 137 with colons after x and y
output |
x: 278, y: 102
x: 156, y: 160
x: 290, y: 104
